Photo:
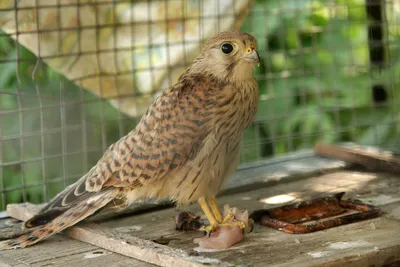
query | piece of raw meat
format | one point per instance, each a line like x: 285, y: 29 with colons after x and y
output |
x: 226, y: 236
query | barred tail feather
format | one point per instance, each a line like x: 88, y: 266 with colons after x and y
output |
x: 68, y: 218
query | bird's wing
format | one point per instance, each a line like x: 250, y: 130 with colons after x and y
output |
x: 169, y: 134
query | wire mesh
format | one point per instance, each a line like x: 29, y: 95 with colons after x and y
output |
x: 329, y: 73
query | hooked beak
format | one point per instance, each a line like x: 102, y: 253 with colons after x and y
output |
x: 253, y: 57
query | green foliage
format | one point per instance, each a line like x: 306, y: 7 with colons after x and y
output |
x: 316, y: 78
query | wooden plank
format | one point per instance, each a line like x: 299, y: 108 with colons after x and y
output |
x: 374, y: 241
x: 370, y: 243
x: 99, y: 257
x: 142, y: 249
x: 57, y: 251
x: 9, y: 262
x: 371, y: 158
x: 23, y: 211
x: 300, y: 164
x: 62, y: 251
x: 270, y: 247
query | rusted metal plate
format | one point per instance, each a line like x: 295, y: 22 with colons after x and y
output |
x: 315, y: 215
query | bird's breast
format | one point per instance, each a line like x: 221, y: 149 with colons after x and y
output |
x: 235, y: 110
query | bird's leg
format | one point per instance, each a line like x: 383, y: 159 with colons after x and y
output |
x: 210, y: 216
x: 215, y: 209
x: 213, y: 214
x: 226, y: 220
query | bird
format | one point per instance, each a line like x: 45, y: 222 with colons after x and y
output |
x: 185, y: 146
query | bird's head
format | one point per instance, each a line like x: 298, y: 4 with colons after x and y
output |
x: 229, y: 55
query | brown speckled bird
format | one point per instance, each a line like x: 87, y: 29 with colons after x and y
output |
x: 185, y: 146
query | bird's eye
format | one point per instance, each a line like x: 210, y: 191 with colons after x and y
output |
x: 227, y: 48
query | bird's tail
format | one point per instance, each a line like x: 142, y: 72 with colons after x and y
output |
x: 71, y: 216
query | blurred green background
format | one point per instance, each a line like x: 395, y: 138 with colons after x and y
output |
x: 316, y: 84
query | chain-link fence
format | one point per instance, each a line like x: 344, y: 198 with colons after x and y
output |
x: 75, y: 76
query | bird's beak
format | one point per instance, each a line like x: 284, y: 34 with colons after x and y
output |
x: 253, y: 57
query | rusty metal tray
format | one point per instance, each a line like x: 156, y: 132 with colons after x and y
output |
x: 315, y: 215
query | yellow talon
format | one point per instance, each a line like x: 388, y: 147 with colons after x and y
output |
x: 214, y: 216
x: 227, y: 218
x: 211, y: 228
x: 242, y: 225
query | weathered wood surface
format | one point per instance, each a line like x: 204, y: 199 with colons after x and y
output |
x: 370, y: 158
x: 370, y: 243
x: 376, y: 240
x: 112, y: 240
x: 63, y: 251
x: 58, y: 250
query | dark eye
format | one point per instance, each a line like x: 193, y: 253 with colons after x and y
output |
x: 226, y: 48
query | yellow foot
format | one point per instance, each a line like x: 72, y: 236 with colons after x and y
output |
x: 212, y: 227
x: 231, y: 220
x: 228, y: 217
x: 214, y: 216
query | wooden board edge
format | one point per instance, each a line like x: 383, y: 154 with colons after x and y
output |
x: 381, y: 257
x: 133, y: 247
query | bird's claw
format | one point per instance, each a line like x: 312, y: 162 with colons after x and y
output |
x: 251, y: 223
x: 210, y: 229
x: 225, y: 222
x: 228, y: 217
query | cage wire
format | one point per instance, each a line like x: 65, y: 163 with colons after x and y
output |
x: 75, y: 76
